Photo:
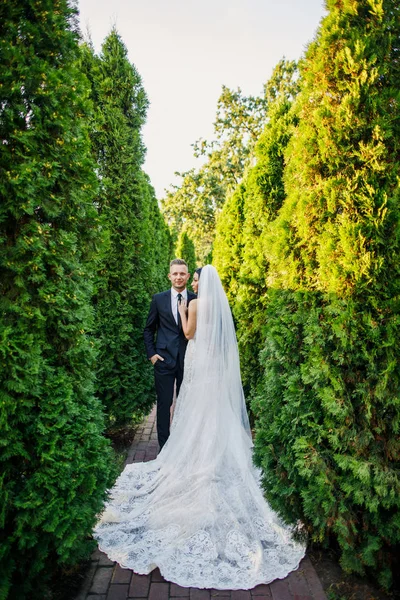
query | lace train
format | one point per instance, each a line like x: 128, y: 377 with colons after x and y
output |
x: 197, y: 512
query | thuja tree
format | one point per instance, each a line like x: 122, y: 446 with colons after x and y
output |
x: 185, y: 249
x: 239, y: 246
x: 159, y: 244
x: 55, y: 463
x: 328, y: 414
x: 263, y: 197
x: 227, y: 247
x: 126, y: 207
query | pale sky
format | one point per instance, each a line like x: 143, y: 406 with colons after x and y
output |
x: 185, y: 50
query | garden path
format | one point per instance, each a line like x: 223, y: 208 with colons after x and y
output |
x: 106, y: 580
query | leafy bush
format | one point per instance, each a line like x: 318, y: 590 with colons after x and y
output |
x: 55, y: 463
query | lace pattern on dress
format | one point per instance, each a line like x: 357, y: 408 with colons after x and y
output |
x: 197, y: 512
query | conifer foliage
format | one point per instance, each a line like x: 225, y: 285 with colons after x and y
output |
x: 227, y: 248
x: 327, y: 411
x: 55, y: 463
x: 239, y: 249
x: 185, y: 249
x: 130, y: 225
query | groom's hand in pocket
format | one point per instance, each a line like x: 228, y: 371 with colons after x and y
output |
x: 155, y: 358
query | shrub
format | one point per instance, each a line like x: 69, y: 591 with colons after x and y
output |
x: 328, y: 410
x: 55, y: 463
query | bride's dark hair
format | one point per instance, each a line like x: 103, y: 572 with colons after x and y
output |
x: 198, y: 271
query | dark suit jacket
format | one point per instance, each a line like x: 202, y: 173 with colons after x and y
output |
x: 161, y: 334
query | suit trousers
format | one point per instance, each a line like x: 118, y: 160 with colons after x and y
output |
x: 165, y: 380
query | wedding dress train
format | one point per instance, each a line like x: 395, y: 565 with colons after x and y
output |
x: 197, y: 511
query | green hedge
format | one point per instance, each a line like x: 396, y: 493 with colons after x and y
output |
x: 55, y: 463
x: 185, y: 249
x: 328, y: 410
x: 328, y: 420
x: 137, y: 245
x: 319, y: 286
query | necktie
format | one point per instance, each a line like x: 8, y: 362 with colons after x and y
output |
x: 179, y: 316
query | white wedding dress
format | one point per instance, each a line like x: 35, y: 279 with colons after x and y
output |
x: 197, y: 512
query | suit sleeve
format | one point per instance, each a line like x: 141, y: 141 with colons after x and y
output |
x: 151, y: 328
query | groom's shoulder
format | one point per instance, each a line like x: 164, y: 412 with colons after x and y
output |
x: 161, y: 295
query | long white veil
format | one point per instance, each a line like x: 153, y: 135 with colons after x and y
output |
x: 197, y: 511
x: 215, y: 379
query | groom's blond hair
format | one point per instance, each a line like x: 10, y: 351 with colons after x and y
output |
x: 178, y: 261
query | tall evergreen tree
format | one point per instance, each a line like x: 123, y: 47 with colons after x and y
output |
x: 227, y: 247
x: 55, y: 463
x: 263, y: 198
x: 185, y: 249
x: 126, y: 206
x: 328, y: 414
x: 239, y: 245
x: 158, y: 243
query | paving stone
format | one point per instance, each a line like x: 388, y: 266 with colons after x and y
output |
x: 142, y: 445
x: 261, y: 590
x: 139, y: 587
x: 196, y: 594
x: 298, y: 583
x: 101, y: 580
x: 150, y: 456
x: 177, y: 590
x: 313, y: 580
x: 159, y: 591
x: 220, y: 593
x: 104, y: 561
x: 240, y: 595
x: 156, y: 575
x: 280, y: 590
x: 139, y: 455
x: 117, y: 592
x: 87, y: 582
x: 121, y: 575
x: 96, y: 597
x: 96, y: 555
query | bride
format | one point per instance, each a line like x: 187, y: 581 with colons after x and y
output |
x: 197, y: 511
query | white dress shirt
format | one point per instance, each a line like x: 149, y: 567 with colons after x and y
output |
x: 174, y: 302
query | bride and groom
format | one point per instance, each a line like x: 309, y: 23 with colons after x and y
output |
x: 197, y: 511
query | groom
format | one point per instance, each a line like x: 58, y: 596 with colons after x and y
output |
x: 166, y: 343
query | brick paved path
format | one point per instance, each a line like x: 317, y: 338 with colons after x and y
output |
x: 107, y: 581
